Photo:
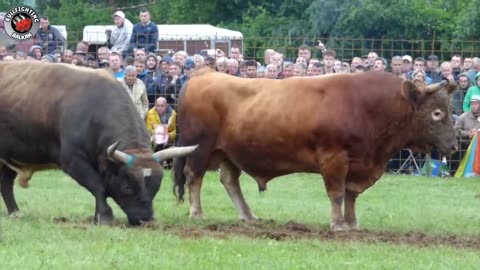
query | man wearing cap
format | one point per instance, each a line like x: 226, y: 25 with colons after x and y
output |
x: 188, y: 68
x: 119, y: 38
x: 407, y: 63
x: 468, y: 123
x: 144, y: 33
x: 432, y: 69
x: 79, y: 57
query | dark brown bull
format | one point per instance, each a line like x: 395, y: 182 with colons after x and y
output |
x: 344, y: 127
x: 84, y: 122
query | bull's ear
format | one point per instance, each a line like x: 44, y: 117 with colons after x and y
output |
x: 411, y: 92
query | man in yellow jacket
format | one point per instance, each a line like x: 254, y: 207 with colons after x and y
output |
x: 161, y: 121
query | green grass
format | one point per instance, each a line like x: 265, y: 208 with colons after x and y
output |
x: 396, y: 204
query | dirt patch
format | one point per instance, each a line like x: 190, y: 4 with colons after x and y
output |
x: 297, y: 231
x: 269, y: 229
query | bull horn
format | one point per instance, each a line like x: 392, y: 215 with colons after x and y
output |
x: 173, y: 152
x: 433, y: 88
x: 118, y: 155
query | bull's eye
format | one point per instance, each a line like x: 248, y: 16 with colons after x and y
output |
x: 126, y: 189
x: 438, y: 115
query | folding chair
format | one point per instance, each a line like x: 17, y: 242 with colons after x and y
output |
x: 411, y: 159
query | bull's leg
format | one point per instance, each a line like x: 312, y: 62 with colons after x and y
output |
x: 7, y: 177
x: 80, y: 170
x: 334, y: 170
x: 229, y: 176
x: 194, y: 190
x: 350, y: 217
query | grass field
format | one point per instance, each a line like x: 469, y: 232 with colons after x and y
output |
x: 406, y: 223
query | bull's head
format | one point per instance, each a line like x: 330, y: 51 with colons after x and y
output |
x: 135, y: 177
x: 433, y: 122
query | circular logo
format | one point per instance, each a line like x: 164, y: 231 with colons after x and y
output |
x: 21, y: 23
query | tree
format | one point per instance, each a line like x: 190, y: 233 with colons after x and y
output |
x: 467, y: 22
x: 76, y: 14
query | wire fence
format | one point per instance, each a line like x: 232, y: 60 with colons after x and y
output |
x: 193, y: 42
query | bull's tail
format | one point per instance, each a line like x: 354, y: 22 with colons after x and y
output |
x: 179, y: 178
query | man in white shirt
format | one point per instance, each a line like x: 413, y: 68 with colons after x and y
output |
x: 120, y: 36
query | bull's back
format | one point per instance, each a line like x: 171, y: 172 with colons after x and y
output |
x: 334, y: 104
x: 290, y: 119
x: 38, y: 101
x: 38, y: 91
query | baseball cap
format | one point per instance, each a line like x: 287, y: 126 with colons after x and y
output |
x: 475, y: 98
x: 407, y: 57
x: 432, y: 58
x: 119, y: 14
x: 189, y: 64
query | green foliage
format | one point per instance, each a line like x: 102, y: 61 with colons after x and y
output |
x: 466, y: 26
x: 5, y: 5
x: 76, y: 14
x: 286, y: 24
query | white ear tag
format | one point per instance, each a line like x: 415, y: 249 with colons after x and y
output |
x: 147, y: 172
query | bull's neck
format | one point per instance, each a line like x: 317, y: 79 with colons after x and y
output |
x: 404, y: 133
x: 411, y: 134
x: 126, y: 128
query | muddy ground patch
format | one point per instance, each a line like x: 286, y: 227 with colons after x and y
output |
x: 293, y: 230
x: 297, y: 231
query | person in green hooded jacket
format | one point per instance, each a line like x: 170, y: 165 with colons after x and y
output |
x: 473, y: 90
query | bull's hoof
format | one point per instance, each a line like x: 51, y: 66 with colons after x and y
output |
x: 354, y: 226
x: 339, y: 227
x: 196, y: 216
x: 103, y: 219
x: 252, y: 218
x: 16, y: 214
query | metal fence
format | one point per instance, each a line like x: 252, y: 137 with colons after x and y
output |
x: 254, y: 47
x: 345, y: 48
